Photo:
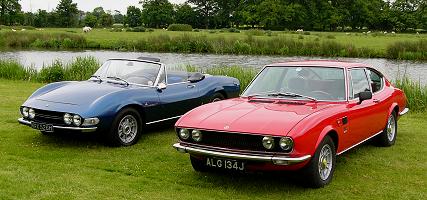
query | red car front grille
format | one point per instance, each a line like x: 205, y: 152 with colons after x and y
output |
x: 235, y: 141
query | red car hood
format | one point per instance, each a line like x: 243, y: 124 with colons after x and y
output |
x: 271, y: 117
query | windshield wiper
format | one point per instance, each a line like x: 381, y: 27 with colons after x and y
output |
x: 290, y: 94
x: 97, y: 77
x: 258, y: 94
x: 118, y: 79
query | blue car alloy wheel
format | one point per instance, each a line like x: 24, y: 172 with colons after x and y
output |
x: 126, y: 128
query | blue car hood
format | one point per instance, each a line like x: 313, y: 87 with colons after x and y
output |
x: 80, y: 93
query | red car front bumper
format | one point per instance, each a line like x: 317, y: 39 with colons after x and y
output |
x: 257, y: 162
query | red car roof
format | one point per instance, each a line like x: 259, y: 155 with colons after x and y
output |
x: 321, y: 63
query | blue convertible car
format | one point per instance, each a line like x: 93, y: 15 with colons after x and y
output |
x: 122, y: 97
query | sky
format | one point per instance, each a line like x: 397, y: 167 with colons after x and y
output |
x: 85, y: 5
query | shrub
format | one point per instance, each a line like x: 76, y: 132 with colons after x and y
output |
x: 180, y: 27
x: 119, y: 26
x: 136, y: 29
x: 52, y: 73
x: 233, y: 30
x: 416, y: 50
x: 116, y: 30
x: 255, y: 32
x: 13, y: 70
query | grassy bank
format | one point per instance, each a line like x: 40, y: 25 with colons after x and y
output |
x: 34, y: 166
x: 83, y: 67
x: 254, y: 42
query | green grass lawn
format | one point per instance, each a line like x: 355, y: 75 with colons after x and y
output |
x: 34, y: 166
x: 376, y: 41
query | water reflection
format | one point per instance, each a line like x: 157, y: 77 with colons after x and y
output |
x: 391, y: 68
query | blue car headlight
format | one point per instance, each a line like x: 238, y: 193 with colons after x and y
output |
x: 24, y: 111
x: 77, y: 120
x: 90, y: 121
x: 68, y: 119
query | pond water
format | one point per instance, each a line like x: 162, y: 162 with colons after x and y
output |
x: 391, y: 68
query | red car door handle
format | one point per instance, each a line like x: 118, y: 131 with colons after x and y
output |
x: 376, y: 100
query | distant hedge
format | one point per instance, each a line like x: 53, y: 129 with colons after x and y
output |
x: 180, y: 27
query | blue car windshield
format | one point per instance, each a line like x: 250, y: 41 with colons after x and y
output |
x: 137, y: 72
x: 318, y: 83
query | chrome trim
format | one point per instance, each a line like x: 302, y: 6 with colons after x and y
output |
x: 92, y: 129
x: 359, y: 143
x: 404, y: 111
x: 277, y: 160
x: 162, y: 120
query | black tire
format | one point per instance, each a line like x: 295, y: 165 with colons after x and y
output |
x: 383, y: 138
x: 217, y: 97
x: 129, y: 116
x: 312, y: 174
x: 198, y: 165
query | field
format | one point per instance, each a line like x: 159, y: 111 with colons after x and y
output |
x: 34, y: 166
x: 377, y: 41
x: 257, y: 42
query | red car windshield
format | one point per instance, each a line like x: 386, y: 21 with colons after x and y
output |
x: 320, y: 83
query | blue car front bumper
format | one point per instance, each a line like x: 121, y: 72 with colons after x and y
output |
x: 82, y: 129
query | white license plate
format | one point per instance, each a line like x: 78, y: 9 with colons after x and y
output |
x: 42, y: 127
x: 225, y: 164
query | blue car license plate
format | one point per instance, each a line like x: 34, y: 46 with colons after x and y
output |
x: 225, y: 164
x: 42, y: 127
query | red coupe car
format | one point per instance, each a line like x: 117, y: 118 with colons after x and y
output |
x: 294, y: 116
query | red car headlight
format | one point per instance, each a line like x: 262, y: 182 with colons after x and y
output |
x: 286, y: 143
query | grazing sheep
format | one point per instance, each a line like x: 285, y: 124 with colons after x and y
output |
x: 300, y: 30
x: 87, y: 29
x: 418, y: 33
x: 23, y: 29
x: 13, y: 30
x: 393, y: 32
x: 368, y: 32
x: 385, y: 32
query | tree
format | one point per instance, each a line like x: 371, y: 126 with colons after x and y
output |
x: 106, y: 20
x: 41, y: 19
x: 157, y: 13
x: 133, y: 16
x: 90, y: 20
x: 98, y: 12
x: 184, y: 14
x: 206, y: 9
x: 67, y: 12
x: 9, y: 11
x: 118, y: 17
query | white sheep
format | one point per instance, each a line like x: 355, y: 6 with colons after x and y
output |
x: 87, y: 29
x: 13, y: 30
x: 368, y: 32
x: 393, y: 32
x: 300, y: 30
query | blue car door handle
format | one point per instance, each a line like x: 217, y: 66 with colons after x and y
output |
x: 191, y: 86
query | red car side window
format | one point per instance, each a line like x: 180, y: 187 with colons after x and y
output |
x: 376, y: 80
x: 359, y: 83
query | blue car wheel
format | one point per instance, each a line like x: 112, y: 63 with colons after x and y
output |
x: 126, y: 128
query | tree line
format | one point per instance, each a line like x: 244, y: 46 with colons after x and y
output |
x: 318, y: 15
